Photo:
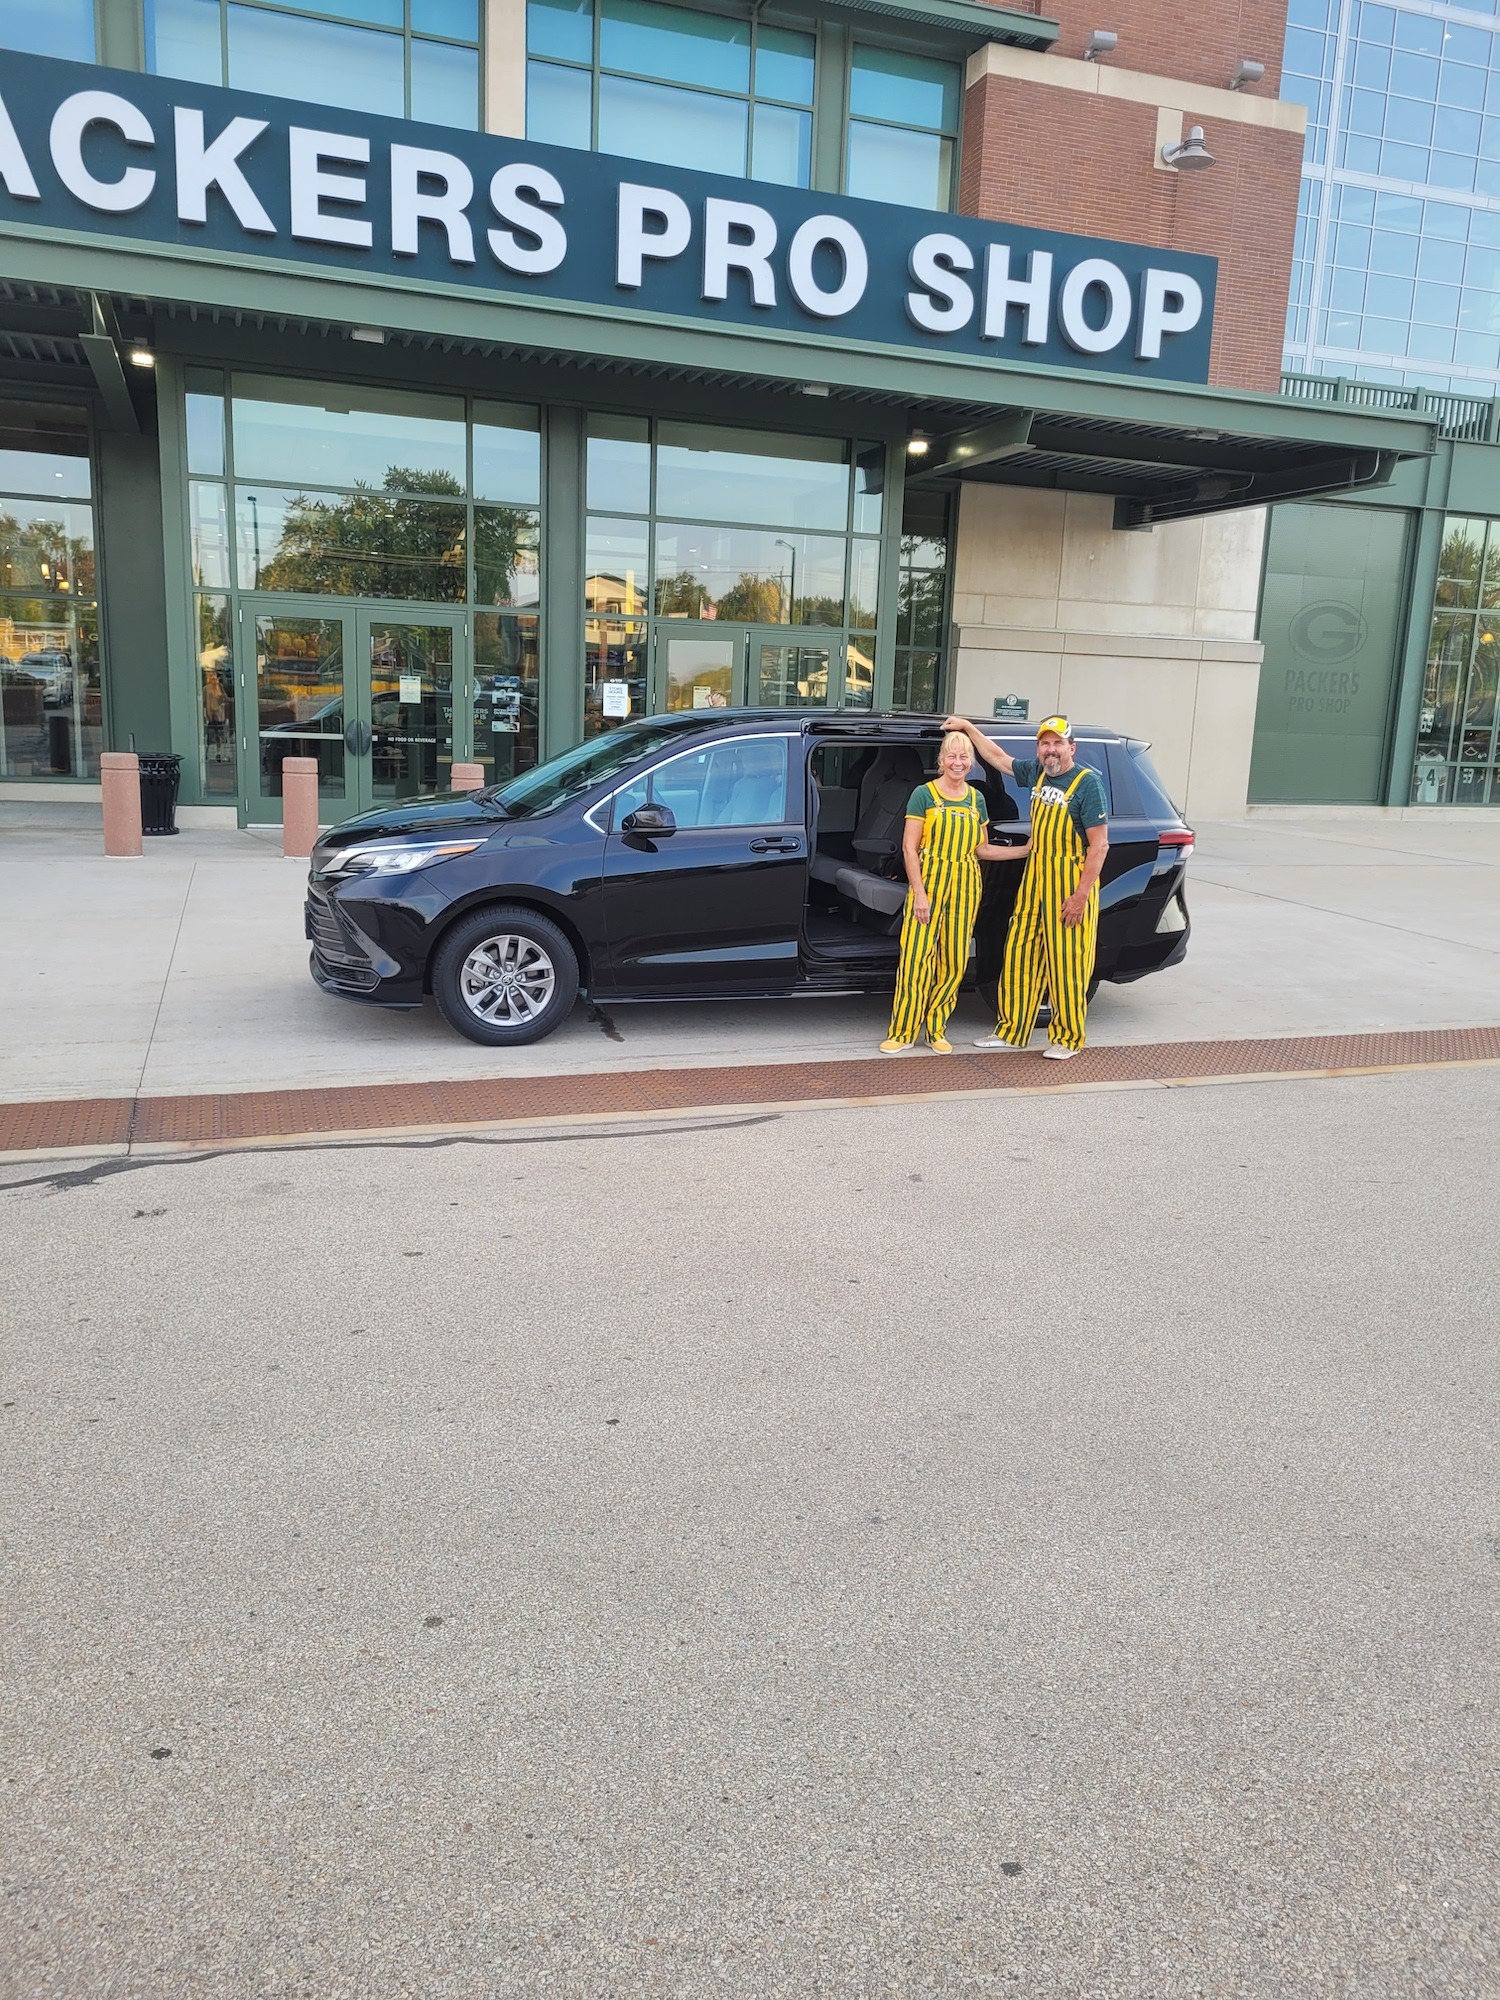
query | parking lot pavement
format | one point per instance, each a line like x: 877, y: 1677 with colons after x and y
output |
x: 186, y: 971
x: 943, y: 1551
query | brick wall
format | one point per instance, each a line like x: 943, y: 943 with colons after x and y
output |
x: 1197, y: 40
x: 1068, y: 160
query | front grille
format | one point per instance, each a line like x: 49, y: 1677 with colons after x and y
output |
x: 339, y: 951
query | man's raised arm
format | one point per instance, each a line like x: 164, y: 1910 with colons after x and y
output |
x: 989, y: 753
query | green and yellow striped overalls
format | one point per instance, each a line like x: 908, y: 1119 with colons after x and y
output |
x: 935, y: 955
x: 1042, y: 953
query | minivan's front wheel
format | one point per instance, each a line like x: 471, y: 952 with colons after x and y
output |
x: 505, y: 976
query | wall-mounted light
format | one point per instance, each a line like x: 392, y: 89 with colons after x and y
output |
x: 918, y: 445
x: 1245, y: 72
x: 141, y: 356
x: 1189, y: 153
x: 1101, y: 42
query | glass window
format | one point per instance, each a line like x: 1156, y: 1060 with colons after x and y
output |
x: 204, y: 404
x: 49, y: 27
x: 355, y: 545
x: 402, y: 58
x: 208, y: 534
x: 617, y: 567
x: 218, y: 772
x: 724, y: 784
x: 507, y: 567
x: 921, y: 602
x: 619, y: 464
x: 749, y: 574
x: 507, y: 453
x: 705, y: 473
x: 903, y: 119
x: 405, y: 442
x: 672, y: 85
x: 506, y: 681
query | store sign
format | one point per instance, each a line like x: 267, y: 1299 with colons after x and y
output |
x: 150, y: 160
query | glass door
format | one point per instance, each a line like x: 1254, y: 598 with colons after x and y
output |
x: 795, y: 667
x: 368, y: 693
x: 700, y: 666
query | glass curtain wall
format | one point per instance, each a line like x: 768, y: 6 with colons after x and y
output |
x: 49, y: 28
x: 386, y: 496
x: 1397, y: 272
x: 922, y: 603
x: 697, y: 524
x: 51, y: 698
x: 669, y: 84
x: 402, y: 58
x: 904, y: 114
x: 1458, y: 742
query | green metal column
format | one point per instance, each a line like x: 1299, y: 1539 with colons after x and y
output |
x: 1407, y: 709
x: 830, y: 107
x: 178, y: 667
x: 120, y: 33
x: 562, y: 583
x: 892, y: 501
x: 132, y: 605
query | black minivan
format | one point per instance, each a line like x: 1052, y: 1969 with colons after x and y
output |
x: 713, y: 854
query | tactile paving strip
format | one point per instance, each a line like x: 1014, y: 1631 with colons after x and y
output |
x: 245, y: 1116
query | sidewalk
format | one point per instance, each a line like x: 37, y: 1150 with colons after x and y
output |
x: 186, y: 972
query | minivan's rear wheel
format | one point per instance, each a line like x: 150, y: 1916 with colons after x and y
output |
x: 505, y: 976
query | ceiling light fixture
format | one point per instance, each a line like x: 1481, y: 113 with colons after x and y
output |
x: 815, y: 388
x: 918, y: 445
x: 142, y: 357
x: 371, y: 335
x: 1189, y: 153
x: 1245, y: 72
x: 1102, y: 42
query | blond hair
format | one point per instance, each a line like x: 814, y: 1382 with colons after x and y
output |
x: 955, y: 736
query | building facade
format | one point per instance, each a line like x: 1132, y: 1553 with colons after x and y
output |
x: 1379, y: 685
x: 411, y: 382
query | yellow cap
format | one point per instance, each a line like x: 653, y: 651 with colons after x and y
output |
x: 1059, y: 725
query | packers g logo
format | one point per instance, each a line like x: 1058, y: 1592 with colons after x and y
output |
x: 1327, y: 631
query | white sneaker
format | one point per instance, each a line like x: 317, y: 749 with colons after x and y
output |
x: 1054, y: 1052
x: 995, y: 1042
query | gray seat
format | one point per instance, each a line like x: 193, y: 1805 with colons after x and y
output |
x: 875, y: 892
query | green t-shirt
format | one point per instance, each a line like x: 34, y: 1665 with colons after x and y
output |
x: 927, y: 797
x: 1086, y: 806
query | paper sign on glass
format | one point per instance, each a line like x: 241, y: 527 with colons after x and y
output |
x: 615, y: 699
x: 411, y: 688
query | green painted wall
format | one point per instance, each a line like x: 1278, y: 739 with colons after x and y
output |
x: 1333, y: 605
x: 133, y: 599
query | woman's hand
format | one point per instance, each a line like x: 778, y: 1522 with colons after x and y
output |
x: 990, y: 850
x: 921, y: 904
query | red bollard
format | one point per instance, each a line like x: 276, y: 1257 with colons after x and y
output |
x: 120, y: 783
x: 467, y: 777
x: 299, y: 806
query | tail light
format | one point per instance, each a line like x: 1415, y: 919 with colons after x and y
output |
x: 1179, y: 837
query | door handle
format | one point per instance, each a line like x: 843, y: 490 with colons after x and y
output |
x: 776, y: 843
x: 358, y: 737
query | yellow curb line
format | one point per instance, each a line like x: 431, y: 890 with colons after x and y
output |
x: 740, y: 1111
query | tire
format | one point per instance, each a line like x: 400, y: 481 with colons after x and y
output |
x: 505, y: 976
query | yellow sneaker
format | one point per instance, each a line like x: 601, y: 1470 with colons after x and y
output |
x: 940, y: 1045
x: 894, y: 1048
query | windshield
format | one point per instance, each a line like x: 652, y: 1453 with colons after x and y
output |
x: 562, y: 778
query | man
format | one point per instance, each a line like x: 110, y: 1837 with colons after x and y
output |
x: 1053, y: 933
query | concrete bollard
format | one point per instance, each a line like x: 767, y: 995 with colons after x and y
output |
x: 120, y: 782
x: 299, y: 806
x: 468, y: 777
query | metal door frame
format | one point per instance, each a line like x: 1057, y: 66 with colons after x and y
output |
x: 818, y: 636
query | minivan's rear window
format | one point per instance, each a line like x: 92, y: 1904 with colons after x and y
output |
x: 1154, y: 795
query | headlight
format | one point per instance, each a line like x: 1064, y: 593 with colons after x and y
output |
x: 395, y: 857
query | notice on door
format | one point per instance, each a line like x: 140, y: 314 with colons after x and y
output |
x: 615, y: 700
x: 411, y: 688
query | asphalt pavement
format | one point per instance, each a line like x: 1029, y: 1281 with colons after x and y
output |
x: 975, y: 1549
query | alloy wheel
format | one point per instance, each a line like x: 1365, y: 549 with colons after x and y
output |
x: 507, y: 980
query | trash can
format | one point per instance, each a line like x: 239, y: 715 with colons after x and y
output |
x: 60, y: 744
x: 159, y: 780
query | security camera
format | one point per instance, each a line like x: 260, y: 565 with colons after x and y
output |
x: 1100, y: 43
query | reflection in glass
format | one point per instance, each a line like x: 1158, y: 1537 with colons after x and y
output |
x: 507, y: 453
x: 559, y: 105
x: 859, y: 671
x: 784, y: 65
x: 357, y: 68
x: 445, y: 85
x: 355, y: 545
x: 614, y: 655
x: 700, y: 673
x: 47, y: 545
x: 619, y: 464
x: 458, y: 19
x: 49, y: 27
x: 903, y: 89
x: 705, y: 571
x: 615, y: 567
x: 869, y: 487
x: 782, y: 147
x: 910, y: 168
x: 506, y: 671
x: 219, y: 775
x: 48, y: 475
x: 916, y: 682
x: 562, y: 28
x: 411, y: 710
x: 205, y: 422
x: 791, y: 677
x: 51, y: 711
x: 507, y: 563
x: 709, y: 474
x: 674, y: 43
x: 864, y: 582
x: 674, y: 128
x: 299, y: 691
x: 208, y: 534
x: 325, y: 436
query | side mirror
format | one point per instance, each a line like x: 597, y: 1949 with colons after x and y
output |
x: 652, y: 820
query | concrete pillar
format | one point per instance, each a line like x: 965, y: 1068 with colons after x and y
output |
x: 467, y: 777
x: 299, y: 806
x: 120, y: 783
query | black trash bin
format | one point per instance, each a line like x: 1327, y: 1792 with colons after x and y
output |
x: 159, y: 781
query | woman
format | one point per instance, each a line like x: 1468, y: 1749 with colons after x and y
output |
x: 944, y: 843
